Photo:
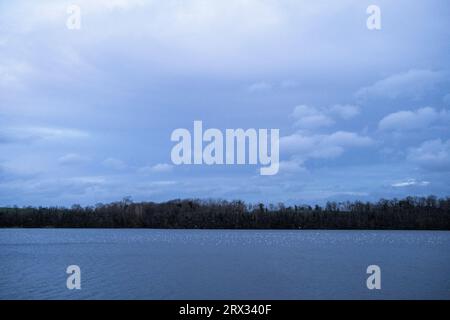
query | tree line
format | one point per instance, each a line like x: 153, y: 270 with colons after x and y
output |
x: 425, y: 213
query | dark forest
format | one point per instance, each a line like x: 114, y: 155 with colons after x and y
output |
x: 411, y: 213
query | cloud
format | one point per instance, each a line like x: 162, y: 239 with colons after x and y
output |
x: 157, y: 168
x: 292, y: 166
x: 212, y: 36
x: 432, y: 155
x: 410, y: 183
x: 222, y: 48
x: 13, y: 74
x: 307, y: 117
x: 410, y: 120
x: 114, y: 163
x: 100, y: 5
x: 51, y: 188
x: 344, y: 111
x: 446, y: 99
x: 264, y: 86
x: 15, y: 171
x: 305, y: 144
x: 50, y: 12
x: 288, y: 84
x: 72, y: 159
x: 412, y: 84
x: 259, y: 86
x: 348, y: 139
x: 322, y: 146
x: 29, y: 134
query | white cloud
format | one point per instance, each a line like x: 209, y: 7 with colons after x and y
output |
x: 114, y: 163
x: 432, y: 155
x: 72, y: 159
x: 157, y: 168
x: 410, y: 120
x: 212, y: 36
x: 260, y: 86
x: 344, y: 111
x: 49, y: 12
x: 13, y: 74
x: 100, y: 5
x: 267, y: 86
x: 322, y: 146
x: 29, y: 134
x: 307, y: 117
x: 187, y: 21
x: 305, y: 144
x: 348, y: 139
x: 292, y: 166
x: 411, y: 84
x: 410, y: 183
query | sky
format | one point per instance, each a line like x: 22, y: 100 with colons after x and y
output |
x: 86, y: 114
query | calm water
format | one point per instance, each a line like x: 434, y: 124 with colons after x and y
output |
x: 212, y: 264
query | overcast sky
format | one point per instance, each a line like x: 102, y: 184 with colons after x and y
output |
x: 86, y: 115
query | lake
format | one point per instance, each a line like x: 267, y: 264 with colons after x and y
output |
x: 223, y: 264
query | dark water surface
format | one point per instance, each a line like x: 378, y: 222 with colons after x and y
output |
x: 223, y: 264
